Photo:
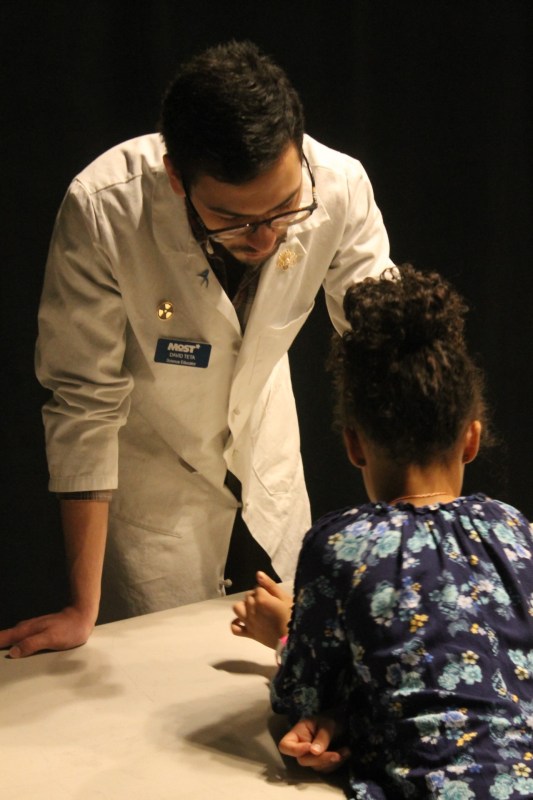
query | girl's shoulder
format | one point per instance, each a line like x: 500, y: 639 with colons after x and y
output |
x: 341, y: 517
x: 480, y: 507
x: 364, y: 518
x: 350, y: 520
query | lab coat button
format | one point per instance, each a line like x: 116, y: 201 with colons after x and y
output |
x: 165, y: 309
x: 236, y: 411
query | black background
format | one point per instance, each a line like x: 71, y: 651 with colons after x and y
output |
x: 433, y: 97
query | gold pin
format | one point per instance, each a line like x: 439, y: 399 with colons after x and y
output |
x: 287, y: 259
x: 165, y: 309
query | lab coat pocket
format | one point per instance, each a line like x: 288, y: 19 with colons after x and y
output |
x: 274, y: 423
x: 274, y: 341
x: 158, y: 490
x: 168, y: 504
x: 149, y: 570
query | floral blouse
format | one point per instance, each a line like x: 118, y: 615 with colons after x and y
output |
x: 418, y: 623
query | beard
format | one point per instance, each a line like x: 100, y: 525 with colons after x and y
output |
x: 249, y: 256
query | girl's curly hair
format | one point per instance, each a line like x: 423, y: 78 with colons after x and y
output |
x: 402, y: 372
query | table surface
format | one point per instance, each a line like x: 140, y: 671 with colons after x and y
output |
x: 168, y: 705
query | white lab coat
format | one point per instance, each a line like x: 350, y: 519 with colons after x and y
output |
x: 165, y: 434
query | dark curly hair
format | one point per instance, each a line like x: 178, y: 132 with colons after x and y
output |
x: 229, y: 113
x: 403, y: 374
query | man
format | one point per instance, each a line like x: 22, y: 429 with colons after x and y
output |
x: 178, y: 276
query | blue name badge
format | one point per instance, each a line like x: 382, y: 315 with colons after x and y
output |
x: 182, y: 353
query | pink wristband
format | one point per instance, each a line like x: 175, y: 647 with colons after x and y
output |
x: 282, y: 641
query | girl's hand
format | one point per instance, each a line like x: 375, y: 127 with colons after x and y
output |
x: 264, y: 613
x: 308, y: 742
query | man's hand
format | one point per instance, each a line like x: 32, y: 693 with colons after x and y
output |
x: 308, y: 743
x: 62, y: 631
x: 264, y: 613
x: 85, y: 530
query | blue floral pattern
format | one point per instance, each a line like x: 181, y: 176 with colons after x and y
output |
x: 418, y: 621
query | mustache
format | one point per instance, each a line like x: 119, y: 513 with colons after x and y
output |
x: 247, y: 250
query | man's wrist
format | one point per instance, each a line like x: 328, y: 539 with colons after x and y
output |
x: 97, y: 495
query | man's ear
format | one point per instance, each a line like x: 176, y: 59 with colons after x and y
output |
x: 353, y: 447
x: 472, y: 440
x: 174, y: 177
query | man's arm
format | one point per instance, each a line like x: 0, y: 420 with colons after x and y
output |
x: 85, y: 531
x: 363, y: 250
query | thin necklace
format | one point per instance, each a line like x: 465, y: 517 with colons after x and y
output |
x: 417, y: 496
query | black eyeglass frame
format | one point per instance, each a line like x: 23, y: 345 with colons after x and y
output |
x: 251, y: 227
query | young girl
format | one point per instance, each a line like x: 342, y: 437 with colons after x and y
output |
x: 410, y: 652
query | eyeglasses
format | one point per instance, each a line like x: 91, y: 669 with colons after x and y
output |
x: 276, y: 222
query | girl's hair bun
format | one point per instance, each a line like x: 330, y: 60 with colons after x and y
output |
x: 402, y: 371
x: 403, y: 312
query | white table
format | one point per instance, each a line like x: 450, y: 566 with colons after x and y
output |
x: 161, y: 707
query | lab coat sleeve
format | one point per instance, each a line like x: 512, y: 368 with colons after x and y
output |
x: 364, y: 247
x: 80, y: 351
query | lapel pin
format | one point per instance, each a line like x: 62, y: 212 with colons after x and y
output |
x: 204, y: 275
x: 165, y: 309
x: 287, y: 259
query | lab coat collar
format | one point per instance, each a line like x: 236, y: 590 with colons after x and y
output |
x: 175, y: 239
x: 319, y: 215
x: 169, y: 214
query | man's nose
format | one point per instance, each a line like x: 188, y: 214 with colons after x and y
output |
x: 262, y: 237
